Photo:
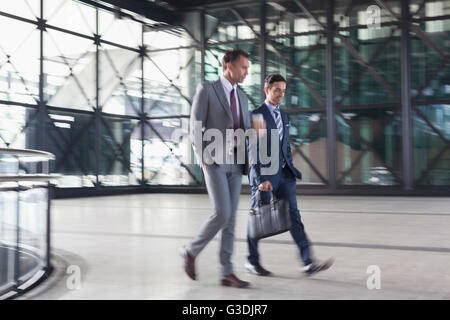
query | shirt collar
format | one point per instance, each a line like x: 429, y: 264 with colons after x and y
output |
x: 271, y: 107
x: 226, y: 84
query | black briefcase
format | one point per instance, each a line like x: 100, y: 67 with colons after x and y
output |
x: 269, y: 219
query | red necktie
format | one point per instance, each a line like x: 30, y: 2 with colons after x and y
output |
x: 234, y: 110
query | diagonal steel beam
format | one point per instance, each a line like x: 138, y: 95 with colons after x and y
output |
x: 431, y: 126
x: 352, y: 167
x: 80, y: 165
x: 308, y: 12
x: 125, y: 140
x: 438, y: 157
x: 240, y: 18
x: 171, y: 151
x: 296, y: 72
x: 29, y: 121
x: 115, y: 145
x: 298, y: 150
x: 77, y: 82
x: 431, y: 165
x: 215, y: 29
x: 422, y: 5
x: 355, y: 82
x: 72, y: 142
x: 369, y: 68
x: 170, y: 80
x: 181, y: 68
x: 351, y: 49
x: 430, y: 78
x: 75, y: 155
x: 417, y: 30
x: 311, y: 165
x: 191, y: 35
x: 359, y: 158
x: 118, y: 76
x: 369, y: 145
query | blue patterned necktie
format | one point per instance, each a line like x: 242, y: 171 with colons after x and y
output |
x: 279, y: 124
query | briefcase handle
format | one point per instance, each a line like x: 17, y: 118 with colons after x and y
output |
x: 273, y: 199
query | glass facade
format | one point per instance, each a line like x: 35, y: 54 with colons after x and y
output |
x: 110, y: 94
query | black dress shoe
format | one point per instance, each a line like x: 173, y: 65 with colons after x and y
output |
x: 257, y: 269
x: 189, y: 263
x: 233, y: 281
x: 315, y: 267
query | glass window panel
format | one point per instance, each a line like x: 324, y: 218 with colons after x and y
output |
x: 120, y: 85
x: 287, y: 18
x: 368, y: 147
x: 33, y: 226
x: 169, y: 159
x: 19, y: 61
x: 119, y: 157
x: 430, y: 8
x: 302, y: 60
x: 69, y: 67
x: 223, y: 25
x: 8, y: 236
x: 171, y: 79
x: 70, y: 15
x: 362, y: 12
x: 71, y: 138
x: 29, y: 9
x: 355, y: 83
x: 172, y: 37
x: 308, y: 140
x: 431, y: 146
x: 119, y: 30
x: 18, y: 127
x: 430, y: 74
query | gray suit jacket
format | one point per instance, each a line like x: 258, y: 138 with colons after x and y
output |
x: 211, y: 108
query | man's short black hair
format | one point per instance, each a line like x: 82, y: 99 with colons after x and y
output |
x: 232, y: 56
x: 271, y: 78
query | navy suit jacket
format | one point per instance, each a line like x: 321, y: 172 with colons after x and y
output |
x: 256, y: 177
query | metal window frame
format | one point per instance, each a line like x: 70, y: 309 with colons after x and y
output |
x: 327, y: 106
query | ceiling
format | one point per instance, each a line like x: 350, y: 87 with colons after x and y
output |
x: 167, y: 11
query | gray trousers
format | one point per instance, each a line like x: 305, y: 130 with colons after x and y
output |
x: 223, y: 183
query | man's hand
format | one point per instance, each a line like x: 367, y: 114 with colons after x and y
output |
x: 258, y: 124
x: 204, y: 165
x: 265, y: 186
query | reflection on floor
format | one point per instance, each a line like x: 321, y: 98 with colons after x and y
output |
x: 125, y: 247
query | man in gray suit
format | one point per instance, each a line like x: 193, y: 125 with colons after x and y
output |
x: 219, y: 107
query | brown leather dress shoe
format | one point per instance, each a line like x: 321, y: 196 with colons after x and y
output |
x: 233, y: 281
x: 189, y: 263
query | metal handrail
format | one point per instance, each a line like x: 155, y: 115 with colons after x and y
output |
x: 28, y: 153
x: 22, y: 182
x: 28, y: 177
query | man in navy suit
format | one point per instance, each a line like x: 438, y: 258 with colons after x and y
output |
x: 283, y: 183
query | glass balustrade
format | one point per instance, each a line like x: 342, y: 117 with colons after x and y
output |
x: 25, y: 192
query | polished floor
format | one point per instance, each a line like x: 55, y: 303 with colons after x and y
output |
x: 126, y: 247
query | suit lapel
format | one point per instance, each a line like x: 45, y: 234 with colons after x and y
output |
x: 217, y: 85
x: 240, y: 99
x: 268, y: 115
x: 285, y: 129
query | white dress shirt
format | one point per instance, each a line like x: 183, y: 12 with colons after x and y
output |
x: 227, y: 87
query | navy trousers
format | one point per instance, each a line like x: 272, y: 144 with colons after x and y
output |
x: 283, y: 188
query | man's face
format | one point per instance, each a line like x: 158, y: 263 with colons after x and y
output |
x: 239, y: 69
x: 275, y: 94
